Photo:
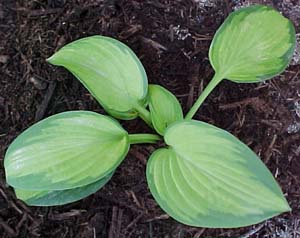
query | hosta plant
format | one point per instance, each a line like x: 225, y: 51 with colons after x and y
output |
x: 203, y: 176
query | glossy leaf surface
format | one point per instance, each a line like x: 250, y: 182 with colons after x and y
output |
x: 60, y: 197
x: 164, y: 108
x: 65, y: 151
x: 109, y: 70
x: 253, y: 44
x: 208, y: 178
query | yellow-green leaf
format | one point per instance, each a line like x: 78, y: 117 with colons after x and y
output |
x: 208, y: 178
x: 110, y: 70
x: 65, y: 151
x: 253, y: 44
x: 164, y: 108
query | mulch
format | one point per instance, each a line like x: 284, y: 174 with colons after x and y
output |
x: 172, y: 39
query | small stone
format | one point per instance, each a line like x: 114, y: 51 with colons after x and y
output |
x: 297, y: 108
x: 4, y: 59
x: 181, y: 33
x: 206, y: 3
x: 38, y: 83
x: 293, y: 128
x: 237, y: 4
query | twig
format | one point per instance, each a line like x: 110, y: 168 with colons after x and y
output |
x: 94, y: 232
x: 10, y: 202
x: 239, y: 104
x: 269, y: 150
x: 199, y: 233
x: 161, y: 217
x: 113, y: 229
x: 7, y: 228
x: 131, y: 31
x: 201, y: 38
x: 119, y: 223
x: 133, y: 222
x: 136, y: 201
x: 21, y: 222
x: 153, y: 43
x: 294, y: 77
x: 65, y: 215
x: 253, y: 231
x: 42, y: 108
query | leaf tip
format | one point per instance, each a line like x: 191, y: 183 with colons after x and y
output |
x: 57, y: 58
x: 286, y: 207
x: 283, y: 205
x: 51, y: 59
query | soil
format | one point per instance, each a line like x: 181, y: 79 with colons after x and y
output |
x: 172, y: 40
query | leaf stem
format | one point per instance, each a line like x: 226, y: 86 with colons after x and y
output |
x: 143, y: 138
x: 144, y: 114
x: 212, y: 84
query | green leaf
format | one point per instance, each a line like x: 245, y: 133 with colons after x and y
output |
x: 109, y: 70
x: 208, y: 178
x: 253, y: 44
x: 60, y: 197
x: 65, y: 151
x: 164, y: 108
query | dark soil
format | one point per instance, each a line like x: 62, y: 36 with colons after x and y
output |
x: 172, y: 40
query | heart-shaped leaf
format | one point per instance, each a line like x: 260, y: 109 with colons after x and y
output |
x: 208, y: 178
x: 164, y: 108
x: 60, y: 197
x: 67, y: 150
x: 253, y: 44
x: 109, y: 70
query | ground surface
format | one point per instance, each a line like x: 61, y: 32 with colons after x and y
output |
x: 171, y: 37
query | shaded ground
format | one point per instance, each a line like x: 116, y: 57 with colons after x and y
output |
x: 172, y: 39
